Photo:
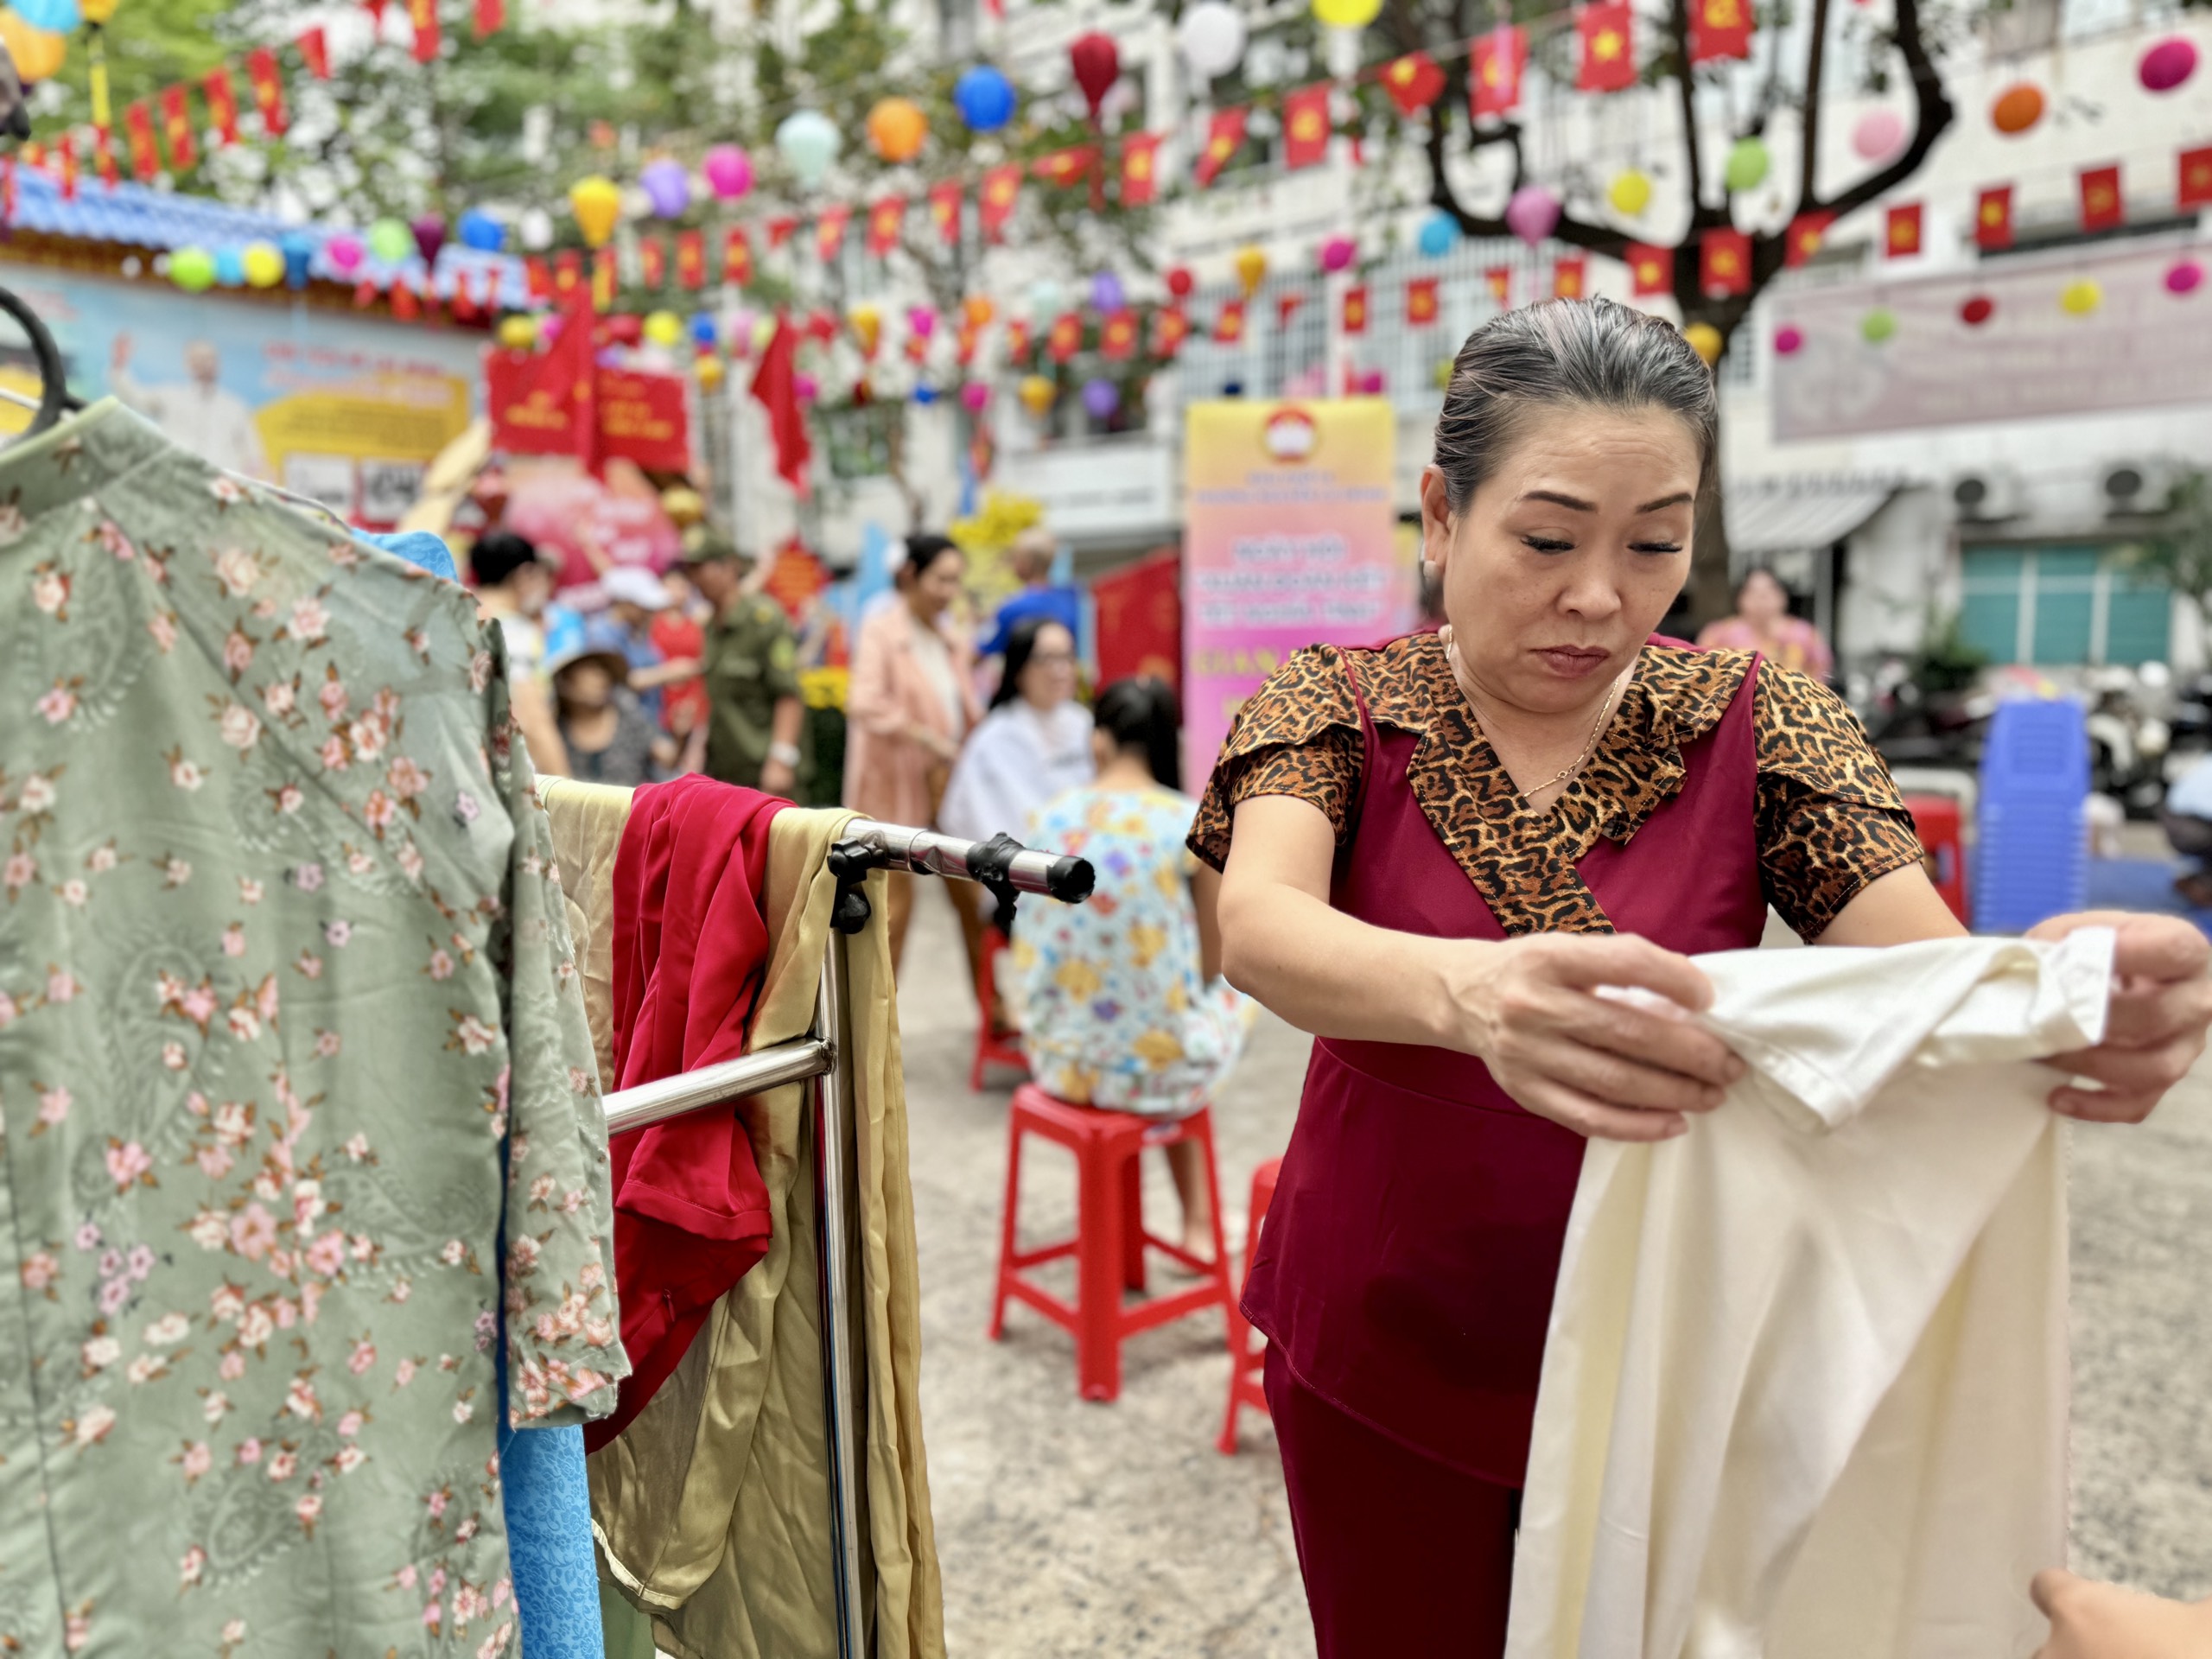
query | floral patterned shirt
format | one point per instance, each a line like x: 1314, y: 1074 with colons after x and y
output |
x: 282, y: 966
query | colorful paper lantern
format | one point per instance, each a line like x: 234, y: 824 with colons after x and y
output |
x: 193, y: 270
x: 263, y: 262
x: 710, y: 372
x: 2183, y: 277
x: 2162, y: 67
x: 54, y: 16
x: 39, y: 53
x: 98, y: 11
x: 429, y: 235
x: 2081, y: 297
x: 1107, y: 294
x: 390, y: 241
x: 921, y: 321
x: 230, y: 267
x: 925, y: 395
x: 1180, y: 282
x: 1879, y: 135
x: 597, y: 204
x: 897, y: 128
x: 664, y: 327
x: 1251, y: 269
x: 984, y: 97
x: 1096, y: 62
x: 1038, y: 395
x: 344, y: 252
x: 805, y: 388
x: 808, y: 141
x: 480, y: 230
x: 702, y: 330
x: 517, y: 333
x: 1877, y: 325
x: 2018, y: 107
x: 975, y: 395
x: 298, y: 249
x: 667, y: 187
x: 1438, y: 235
x: 976, y: 311
x: 729, y: 170
x: 1210, y: 38
x: 1532, y: 214
x: 535, y: 229
x: 1629, y: 192
x: 867, y: 324
x: 1789, y: 340
x: 1101, y: 397
x: 1346, y: 14
x: 1337, y: 252
x: 1705, y: 340
x: 1978, y: 309
x: 1045, y: 299
x: 1747, y: 165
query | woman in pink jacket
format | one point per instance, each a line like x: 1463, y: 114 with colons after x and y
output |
x: 911, y: 705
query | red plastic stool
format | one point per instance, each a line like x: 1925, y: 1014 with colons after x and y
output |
x: 1110, y: 1237
x: 991, y: 1049
x: 1941, y: 826
x: 1246, y: 1362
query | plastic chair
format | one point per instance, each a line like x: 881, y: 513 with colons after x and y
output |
x: 1246, y: 1361
x: 1941, y: 828
x: 2031, y: 853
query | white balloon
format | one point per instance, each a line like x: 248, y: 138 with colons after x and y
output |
x: 535, y: 229
x: 1211, y: 37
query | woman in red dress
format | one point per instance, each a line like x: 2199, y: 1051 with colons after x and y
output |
x: 1434, y: 854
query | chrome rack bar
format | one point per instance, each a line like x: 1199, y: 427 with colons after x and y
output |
x: 718, y: 1085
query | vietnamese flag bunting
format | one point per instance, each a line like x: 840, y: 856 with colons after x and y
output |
x: 1355, y: 309
x: 1117, y: 335
x: 1065, y: 339
x: 268, y: 83
x: 69, y: 167
x: 1650, y: 270
x: 776, y: 386
x: 1719, y: 29
x: 1607, y: 34
x: 781, y: 229
x: 1725, y: 262
x: 2195, y: 179
x: 653, y: 261
x: 604, y: 279
x: 1017, y: 341
x: 1494, y: 64
x: 1567, y: 278
x: 1002, y: 191
x: 1065, y: 167
x: 1498, y: 279
x: 1171, y: 326
x: 885, y: 220
x: 737, y: 256
x: 222, y: 103
x: 490, y: 17
x: 945, y: 211
x: 1286, y: 307
x: 1225, y: 138
x: 423, y: 14
x: 830, y: 230
x: 1140, y: 169
x: 1803, y: 240
x: 1229, y: 326
x: 405, y: 307
x: 176, y: 129
x: 691, y: 258
x: 568, y: 271
x: 104, y: 157
x: 537, y: 278
x: 7, y: 189
x: 1901, y: 236
x: 1992, y: 218
x: 1413, y: 81
x: 2102, y: 206
x: 315, y: 52
x: 1306, y: 126
x: 1422, y: 308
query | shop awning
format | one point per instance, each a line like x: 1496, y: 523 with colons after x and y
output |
x: 1767, y: 516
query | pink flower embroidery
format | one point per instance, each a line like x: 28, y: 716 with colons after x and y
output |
x: 39, y: 1270
x: 310, y: 621
x: 252, y: 1231
x: 238, y: 652
x: 57, y: 705
x: 198, y: 1459
x: 250, y: 1450
x: 126, y: 1162
x: 53, y: 1105
x: 234, y: 939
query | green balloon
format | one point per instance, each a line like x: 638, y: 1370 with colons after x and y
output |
x: 1877, y: 326
x: 1747, y: 164
x: 390, y: 241
x: 191, y: 269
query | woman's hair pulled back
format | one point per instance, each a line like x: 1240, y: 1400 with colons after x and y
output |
x: 1592, y: 353
x: 1143, y: 713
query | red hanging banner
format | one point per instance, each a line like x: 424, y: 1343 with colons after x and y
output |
x: 2103, y: 208
x: 1117, y: 335
x: 1498, y: 279
x: 1650, y: 270
x: 1992, y: 218
x: 1803, y: 240
x: 1494, y: 65
x: 1229, y: 326
x: 1017, y: 342
x: 830, y: 230
x: 653, y: 261
x: 1225, y: 138
x: 490, y: 17
x: 1568, y: 277
x: 885, y: 218
x: 222, y: 105
x: 1719, y: 29
x: 1065, y: 337
x: 423, y: 14
x: 540, y: 403
x: 177, y: 131
x: 604, y: 279
x: 945, y: 211
x: 1723, y: 262
x: 1140, y: 169
x: 641, y: 418
x: 1171, y: 326
x: 1607, y: 34
x: 1901, y: 231
x: 2196, y: 178
x: 537, y: 278
x: 1002, y: 190
x: 1413, y: 82
x: 1306, y: 126
x: 268, y: 83
x: 69, y: 159
x: 964, y: 343
x: 7, y: 189
x: 405, y: 307
x: 315, y: 52
x: 1065, y: 167
x: 1286, y: 307
x: 780, y: 230
x: 737, y: 256
x: 691, y: 258
x: 567, y: 272
x: 1421, y: 306
x: 104, y: 157
x: 1355, y: 309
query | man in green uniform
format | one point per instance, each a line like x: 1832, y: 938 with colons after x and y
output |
x: 750, y: 664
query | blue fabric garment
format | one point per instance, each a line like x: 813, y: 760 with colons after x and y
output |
x: 547, y: 1499
x: 1060, y: 604
x: 417, y: 547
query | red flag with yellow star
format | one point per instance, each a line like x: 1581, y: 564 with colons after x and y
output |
x: 1065, y: 167
x: 1650, y: 270
x: 830, y: 230
x: 1002, y: 190
x: 423, y: 14
x: 176, y: 129
x: 1421, y: 307
x: 1229, y: 326
x: 2195, y: 188
x: 945, y: 211
x: 1355, y: 309
x: 1725, y: 262
x: 268, y: 83
x: 1065, y: 339
x: 1568, y: 278
x: 1140, y: 169
x: 1992, y: 218
x: 1306, y: 126
x: 1117, y: 335
x: 1498, y: 279
x: 1901, y: 232
x: 1413, y: 81
x: 885, y: 219
x: 1171, y: 326
x: 1607, y: 33
x: 1803, y: 240
x: 2103, y: 208
x: 1225, y: 138
x: 737, y: 256
x: 222, y: 103
x: 1494, y: 65
x: 1719, y: 29
x: 691, y: 258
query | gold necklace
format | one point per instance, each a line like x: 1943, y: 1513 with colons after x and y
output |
x: 1567, y: 773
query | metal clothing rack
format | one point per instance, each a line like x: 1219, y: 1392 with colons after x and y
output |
x: 1004, y: 867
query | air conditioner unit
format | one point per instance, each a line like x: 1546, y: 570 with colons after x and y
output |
x: 2133, y: 486
x: 1985, y: 495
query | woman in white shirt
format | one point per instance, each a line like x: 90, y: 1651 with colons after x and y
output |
x: 1034, y: 743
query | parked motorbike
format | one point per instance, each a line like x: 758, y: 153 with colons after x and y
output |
x: 2128, y: 741
x: 1912, y: 726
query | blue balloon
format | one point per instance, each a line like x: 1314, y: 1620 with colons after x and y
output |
x: 925, y: 394
x: 1440, y: 234
x: 230, y: 267
x: 55, y: 16
x: 299, y: 249
x: 703, y: 332
x: 984, y: 99
x: 479, y: 230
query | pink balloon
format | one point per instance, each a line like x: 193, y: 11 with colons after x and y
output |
x: 804, y: 385
x: 2183, y: 277
x: 2168, y: 64
x: 1337, y: 252
x: 922, y: 321
x: 1787, y: 341
x: 729, y: 170
x: 1879, y: 135
x: 976, y: 394
x: 345, y: 251
x: 1532, y: 214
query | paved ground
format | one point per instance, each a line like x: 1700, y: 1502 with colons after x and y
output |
x: 1068, y: 1529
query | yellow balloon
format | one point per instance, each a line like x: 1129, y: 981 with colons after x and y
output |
x: 38, y: 52
x: 1037, y: 394
x: 1705, y: 340
x: 1251, y: 269
x: 664, y: 327
x: 709, y: 370
x: 896, y: 127
x: 2080, y: 298
x: 518, y: 333
x: 1347, y: 14
x: 597, y: 204
x: 96, y: 11
x: 264, y: 264
x: 1630, y: 192
x: 684, y: 507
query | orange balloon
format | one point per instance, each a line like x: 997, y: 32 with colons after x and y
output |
x: 977, y: 310
x: 2018, y: 107
x: 896, y: 126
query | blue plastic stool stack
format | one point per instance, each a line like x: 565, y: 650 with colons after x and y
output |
x: 2034, y: 860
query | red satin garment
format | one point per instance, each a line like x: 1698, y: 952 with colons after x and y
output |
x: 690, y: 954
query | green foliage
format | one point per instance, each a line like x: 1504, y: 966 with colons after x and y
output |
x: 149, y: 44
x: 2180, y: 554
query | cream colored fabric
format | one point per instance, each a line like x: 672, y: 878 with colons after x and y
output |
x: 587, y: 821
x: 1805, y: 1391
x: 712, y: 1510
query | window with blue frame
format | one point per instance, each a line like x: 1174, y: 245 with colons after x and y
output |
x: 2059, y: 605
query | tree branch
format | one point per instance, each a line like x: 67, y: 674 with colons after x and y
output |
x: 1678, y: 28
x: 1809, y: 109
x: 1932, y: 113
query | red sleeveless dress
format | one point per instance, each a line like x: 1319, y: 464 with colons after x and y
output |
x: 1404, y: 1277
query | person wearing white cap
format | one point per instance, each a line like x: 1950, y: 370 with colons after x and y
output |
x: 634, y: 597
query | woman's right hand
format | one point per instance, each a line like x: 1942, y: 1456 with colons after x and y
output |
x: 1528, y: 1008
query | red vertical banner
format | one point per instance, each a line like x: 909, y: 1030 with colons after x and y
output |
x: 691, y: 258
x: 653, y: 261
x: 945, y: 211
x: 1421, y: 306
x: 176, y: 129
x: 2194, y: 188
x: 1569, y: 278
x: 604, y: 279
x: 1065, y: 337
x: 222, y: 105
x: 1650, y: 270
x: 1719, y: 29
x: 69, y: 158
x: 737, y: 256
x: 568, y: 271
x: 1017, y: 342
x: 1803, y: 240
x: 315, y: 52
x: 1002, y: 190
x: 537, y: 278
x: 1355, y: 309
x: 885, y: 217
x: 1140, y: 169
x: 1992, y: 218
x: 830, y: 230
x: 1724, y: 259
x: 1229, y: 326
x: 1117, y: 335
x: 268, y: 83
x: 1413, y: 82
x: 1286, y: 307
x: 1065, y: 167
x: 2103, y: 208
x: 1140, y: 620
x: 780, y: 230
x: 104, y: 157
x: 964, y: 343
x: 1171, y: 326
x: 1225, y: 138
x: 1498, y: 279
x: 1306, y: 126
x: 406, y: 308
x: 7, y: 189
x: 1494, y: 65
x: 423, y: 14
x: 1901, y: 233
x: 490, y: 17
x: 1608, y: 38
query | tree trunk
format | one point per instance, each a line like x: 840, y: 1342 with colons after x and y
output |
x: 1710, y: 593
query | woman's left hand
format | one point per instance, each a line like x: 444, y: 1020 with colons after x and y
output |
x: 2155, y: 1026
